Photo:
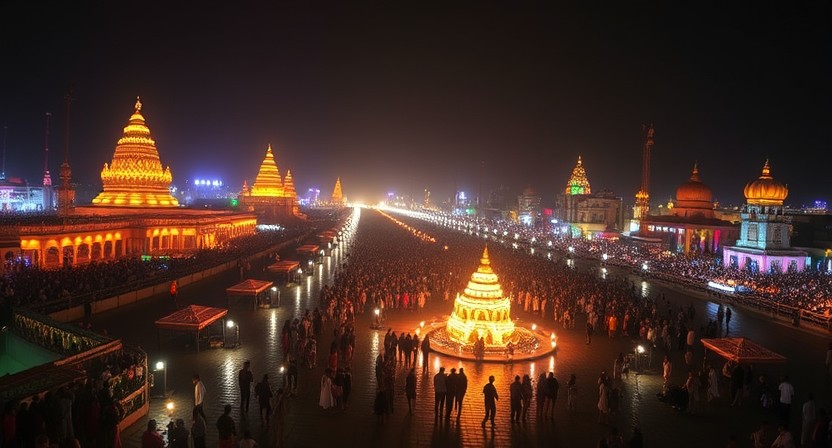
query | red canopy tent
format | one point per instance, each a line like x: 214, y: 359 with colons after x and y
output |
x: 287, y: 267
x: 191, y: 318
x: 308, y: 249
x: 248, y: 287
x: 742, y: 350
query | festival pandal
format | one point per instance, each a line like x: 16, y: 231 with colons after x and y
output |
x: 480, y: 325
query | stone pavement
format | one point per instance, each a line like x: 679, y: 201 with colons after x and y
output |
x: 308, y: 426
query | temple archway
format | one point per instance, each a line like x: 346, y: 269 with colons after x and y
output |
x: 83, y: 254
x: 69, y: 255
x: 108, y: 250
x: 96, y: 254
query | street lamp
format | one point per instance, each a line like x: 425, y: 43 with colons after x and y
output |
x: 169, y: 406
x: 160, y: 365
x: 275, y: 295
x: 228, y: 325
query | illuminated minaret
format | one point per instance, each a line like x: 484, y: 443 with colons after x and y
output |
x: 642, y: 206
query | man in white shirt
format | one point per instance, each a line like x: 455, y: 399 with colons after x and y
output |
x: 786, y: 395
x: 199, y: 395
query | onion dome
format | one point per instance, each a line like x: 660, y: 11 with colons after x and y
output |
x: 694, y: 190
x: 578, y: 183
x: 765, y: 190
x: 268, y: 182
x: 135, y: 177
x: 482, y: 311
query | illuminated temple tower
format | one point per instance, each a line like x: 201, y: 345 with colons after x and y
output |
x: 337, y: 195
x: 135, y: 177
x: 482, y: 310
x: 642, y: 206
x: 578, y: 183
x: 269, y: 194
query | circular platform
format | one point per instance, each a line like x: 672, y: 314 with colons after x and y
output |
x: 529, y: 344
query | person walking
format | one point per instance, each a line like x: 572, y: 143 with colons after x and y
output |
x: 461, y: 389
x: 528, y: 391
x: 516, y: 399
x: 264, y: 398
x: 491, y: 397
x: 226, y: 429
x: 786, y: 395
x: 728, y: 314
x: 540, y: 394
x: 667, y: 370
x: 588, y: 332
x: 410, y: 390
x: 199, y: 395
x: 439, y: 389
x: 810, y: 413
x: 244, y: 380
x: 450, y: 392
x: 572, y: 393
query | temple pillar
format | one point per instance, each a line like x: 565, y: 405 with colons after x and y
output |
x: 687, y: 240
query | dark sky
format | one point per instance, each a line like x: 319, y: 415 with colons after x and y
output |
x: 407, y: 95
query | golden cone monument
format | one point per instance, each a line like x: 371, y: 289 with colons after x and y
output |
x: 481, y: 311
x: 135, y: 177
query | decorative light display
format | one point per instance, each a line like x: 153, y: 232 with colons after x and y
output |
x: 135, y: 177
x: 578, y: 183
x: 416, y: 232
x: 481, y: 311
x: 337, y: 195
x: 268, y: 182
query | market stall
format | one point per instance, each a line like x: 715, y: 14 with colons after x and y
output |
x: 193, y: 318
x: 250, y: 287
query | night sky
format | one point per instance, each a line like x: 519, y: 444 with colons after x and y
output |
x: 413, y: 95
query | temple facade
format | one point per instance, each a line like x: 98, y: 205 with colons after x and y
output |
x: 586, y: 212
x: 270, y: 196
x: 134, y: 215
x: 764, y: 244
x: 691, y: 225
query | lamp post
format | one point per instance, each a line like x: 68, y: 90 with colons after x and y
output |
x: 228, y: 325
x: 160, y: 365
x: 275, y: 295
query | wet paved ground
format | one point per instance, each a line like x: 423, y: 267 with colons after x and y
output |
x: 307, y: 425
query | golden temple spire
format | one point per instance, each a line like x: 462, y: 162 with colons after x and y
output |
x: 337, y: 195
x: 485, y: 260
x: 135, y: 178
x: 289, y: 186
x: 268, y: 181
x: 766, y: 171
x: 578, y: 182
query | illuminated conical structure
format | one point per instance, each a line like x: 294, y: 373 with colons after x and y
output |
x: 289, y: 186
x: 337, y: 196
x: 578, y: 183
x: 482, y: 310
x: 135, y: 177
x: 268, y: 182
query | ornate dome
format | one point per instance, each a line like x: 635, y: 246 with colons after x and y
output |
x: 694, y: 190
x: 578, y: 183
x: 765, y: 190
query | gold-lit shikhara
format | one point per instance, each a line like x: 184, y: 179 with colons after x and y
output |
x: 135, y: 177
x: 268, y: 182
x: 482, y: 311
x: 578, y: 183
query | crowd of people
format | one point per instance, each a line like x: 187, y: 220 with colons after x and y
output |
x: 810, y: 290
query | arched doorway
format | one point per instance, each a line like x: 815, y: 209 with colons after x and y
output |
x: 96, y: 251
x: 69, y: 255
x: 108, y: 250
x: 83, y: 255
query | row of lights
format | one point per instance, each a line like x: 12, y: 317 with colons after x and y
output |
x: 417, y: 233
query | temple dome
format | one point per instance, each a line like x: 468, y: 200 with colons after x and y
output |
x: 765, y: 190
x: 694, y: 189
x: 135, y: 178
x: 578, y: 182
